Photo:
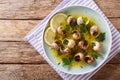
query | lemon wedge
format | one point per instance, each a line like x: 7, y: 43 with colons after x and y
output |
x: 49, y: 36
x: 56, y: 20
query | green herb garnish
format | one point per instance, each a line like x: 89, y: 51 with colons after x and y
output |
x: 68, y: 15
x: 81, y: 66
x: 101, y: 37
x: 59, y: 53
x: 58, y: 63
x: 65, y: 41
x: 93, y: 44
x: 83, y: 28
x: 67, y: 27
x: 95, y: 55
x: 66, y: 61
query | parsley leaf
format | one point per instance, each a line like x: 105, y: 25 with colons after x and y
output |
x: 66, y: 61
x: 83, y: 24
x: 101, y: 37
x: 93, y: 44
x: 68, y: 15
x: 83, y: 28
x: 58, y: 63
x: 81, y: 66
x: 68, y: 28
x: 59, y: 53
x: 95, y: 55
x: 65, y: 41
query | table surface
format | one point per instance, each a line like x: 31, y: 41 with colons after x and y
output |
x: 19, y: 60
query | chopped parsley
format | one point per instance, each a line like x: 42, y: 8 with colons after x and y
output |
x: 95, y: 55
x: 58, y: 63
x: 66, y: 61
x: 68, y: 15
x: 101, y: 37
x: 59, y: 53
x: 83, y: 28
x: 65, y: 41
x: 93, y: 44
x: 81, y: 66
x: 67, y: 27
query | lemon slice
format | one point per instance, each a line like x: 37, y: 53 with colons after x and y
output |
x: 56, y: 20
x: 49, y: 36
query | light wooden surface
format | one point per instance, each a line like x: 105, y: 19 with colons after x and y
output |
x: 19, y: 60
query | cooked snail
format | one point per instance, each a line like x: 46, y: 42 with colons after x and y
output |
x: 55, y: 45
x: 61, y: 30
x: 96, y: 46
x: 71, y: 43
x: 76, y: 34
x: 83, y: 45
x: 66, y: 51
x: 94, y: 31
x: 89, y: 59
x: 71, y: 20
x: 79, y: 57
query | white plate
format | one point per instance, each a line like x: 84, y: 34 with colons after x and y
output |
x: 102, y: 23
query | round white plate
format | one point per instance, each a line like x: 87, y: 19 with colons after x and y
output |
x: 102, y: 23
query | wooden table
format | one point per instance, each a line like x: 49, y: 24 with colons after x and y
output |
x: 19, y: 60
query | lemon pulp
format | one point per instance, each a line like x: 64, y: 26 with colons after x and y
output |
x: 49, y: 36
x: 56, y: 20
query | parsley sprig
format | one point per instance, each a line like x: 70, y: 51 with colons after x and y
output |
x: 95, y: 55
x: 68, y: 28
x: 67, y: 61
x: 83, y: 28
x: 101, y: 37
